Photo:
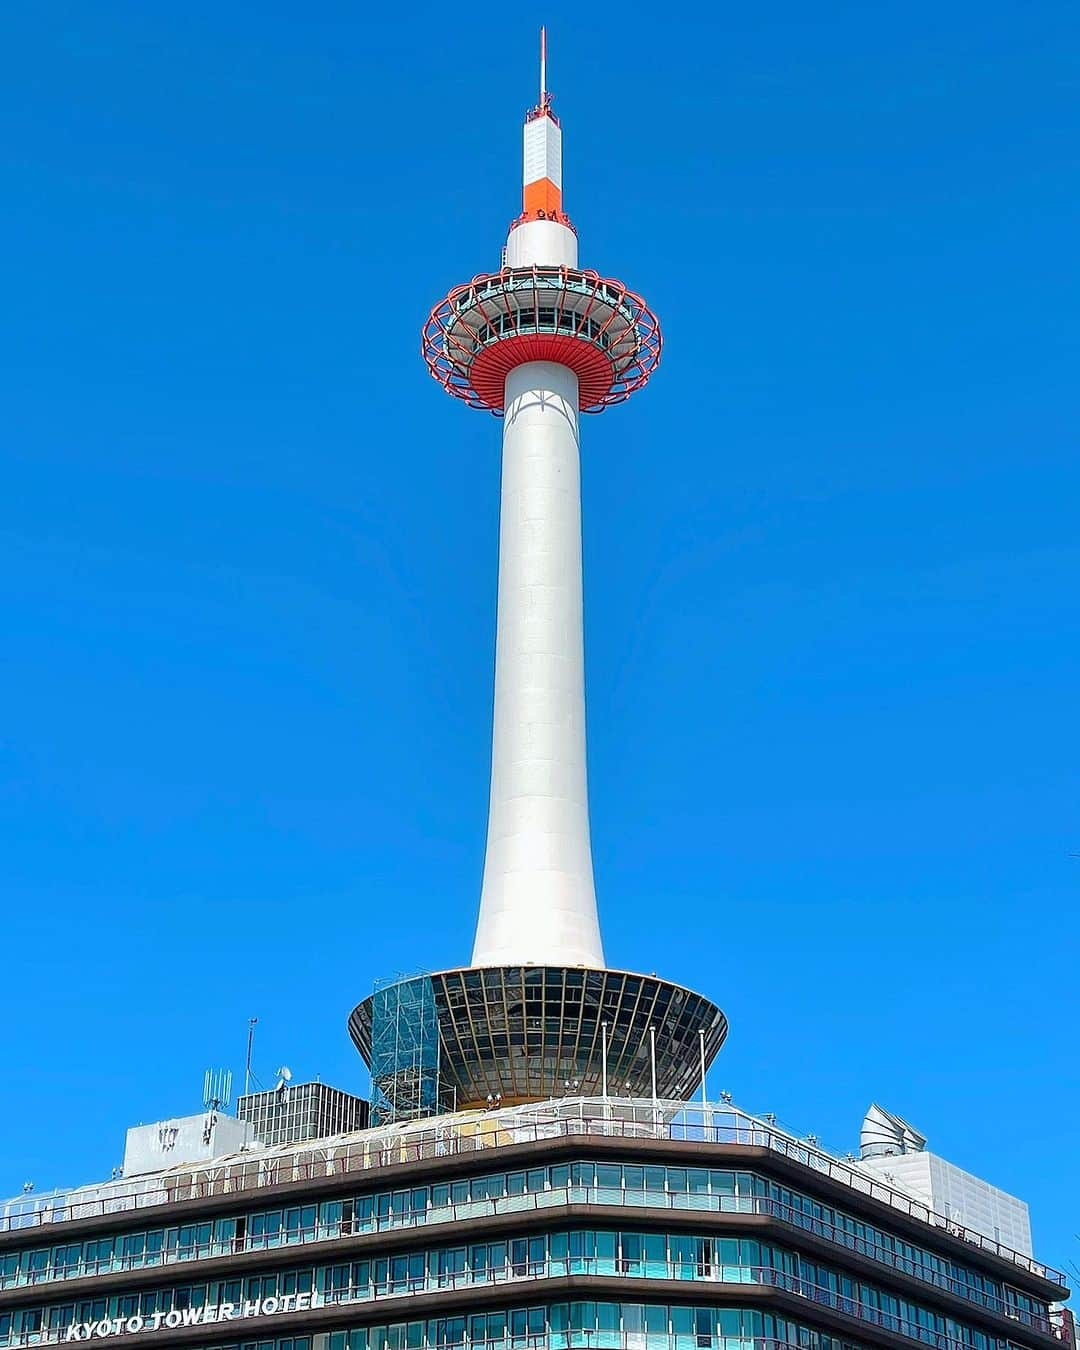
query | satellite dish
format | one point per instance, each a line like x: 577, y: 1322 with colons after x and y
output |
x: 286, y: 1073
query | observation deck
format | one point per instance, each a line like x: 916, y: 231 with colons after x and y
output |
x: 597, y: 327
x: 467, y: 1037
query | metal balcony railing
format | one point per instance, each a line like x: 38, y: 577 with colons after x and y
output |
x: 672, y: 1122
x: 542, y: 1200
x: 693, y: 1272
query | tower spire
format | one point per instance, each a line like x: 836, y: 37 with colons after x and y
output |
x: 542, y: 176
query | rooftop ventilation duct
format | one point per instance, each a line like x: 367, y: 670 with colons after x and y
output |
x: 884, y: 1135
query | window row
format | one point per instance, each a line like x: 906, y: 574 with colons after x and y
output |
x: 544, y: 279
x: 682, y: 1188
x: 667, y: 1256
x: 580, y: 1325
x: 546, y: 320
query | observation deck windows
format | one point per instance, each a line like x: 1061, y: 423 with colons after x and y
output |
x: 521, y: 322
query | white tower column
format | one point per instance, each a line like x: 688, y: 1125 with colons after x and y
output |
x: 538, y: 902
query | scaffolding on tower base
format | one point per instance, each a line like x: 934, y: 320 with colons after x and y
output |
x: 404, y: 1050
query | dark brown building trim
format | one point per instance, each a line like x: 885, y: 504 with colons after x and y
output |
x: 525, y: 1223
x: 401, y: 1175
x: 440, y: 1303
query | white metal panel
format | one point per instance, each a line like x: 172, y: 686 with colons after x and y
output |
x: 538, y: 901
x: 543, y: 151
x: 977, y: 1204
x: 544, y: 242
x: 183, y: 1139
x: 966, y: 1199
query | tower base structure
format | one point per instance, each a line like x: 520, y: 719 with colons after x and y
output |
x: 524, y: 1033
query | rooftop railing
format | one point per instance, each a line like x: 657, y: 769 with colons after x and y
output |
x: 449, y: 1136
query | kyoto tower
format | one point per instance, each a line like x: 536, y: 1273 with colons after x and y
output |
x: 538, y: 343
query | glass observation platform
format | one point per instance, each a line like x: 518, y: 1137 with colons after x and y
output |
x: 507, y: 1034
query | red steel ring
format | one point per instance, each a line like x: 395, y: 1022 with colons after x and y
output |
x: 476, y: 373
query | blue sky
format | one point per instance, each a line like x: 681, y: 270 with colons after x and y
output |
x: 248, y: 549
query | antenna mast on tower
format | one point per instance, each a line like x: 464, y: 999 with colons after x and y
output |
x: 247, y: 1059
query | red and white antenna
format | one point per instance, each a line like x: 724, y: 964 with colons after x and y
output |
x: 542, y: 176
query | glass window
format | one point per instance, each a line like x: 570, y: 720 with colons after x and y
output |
x: 682, y: 1256
x: 722, y: 1183
x: 682, y: 1320
x: 607, y: 1316
x: 656, y: 1320
x: 633, y: 1177
x: 582, y: 1315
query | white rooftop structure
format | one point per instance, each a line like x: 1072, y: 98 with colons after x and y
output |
x: 892, y: 1149
x: 960, y: 1197
x: 183, y: 1139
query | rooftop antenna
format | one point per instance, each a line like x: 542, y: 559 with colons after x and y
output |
x: 217, y: 1088
x: 543, y: 68
x: 281, y: 1088
x: 247, y: 1061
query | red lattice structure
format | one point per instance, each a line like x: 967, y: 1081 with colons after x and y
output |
x: 601, y: 330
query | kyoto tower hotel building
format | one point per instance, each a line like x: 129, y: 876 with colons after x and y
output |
x: 536, y: 1172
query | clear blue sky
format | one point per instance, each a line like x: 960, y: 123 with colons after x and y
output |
x: 248, y: 549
